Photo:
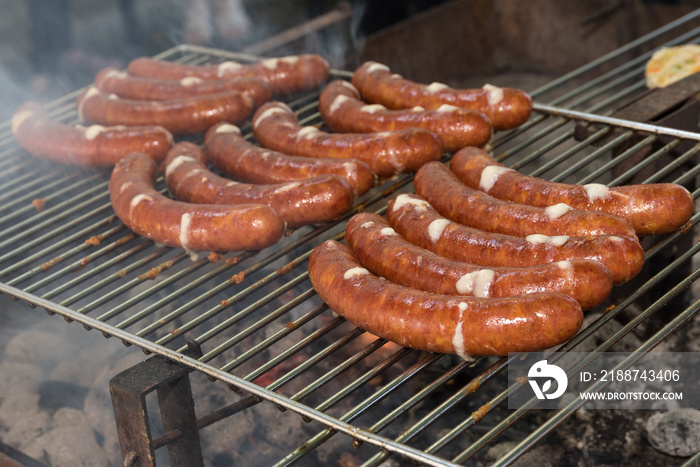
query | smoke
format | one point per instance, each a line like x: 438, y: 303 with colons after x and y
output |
x: 53, y: 370
x: 12, y: 94
x: 14, y: 67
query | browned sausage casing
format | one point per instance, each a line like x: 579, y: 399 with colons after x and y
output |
x: 95, y: 145
x: 112, y: 80
x: 505, y: 107
x: 179, y: 116
x: 194, y: 227
x: 321, y: 199
x: 284, y: 75
x: 651, y: 209
x: 344, y: 111
x: 464, y: 326
x: 388, y: 153
x: 453, y: 199
x: 416, y: 220
x: 234, y: 156
x: 387, y: 254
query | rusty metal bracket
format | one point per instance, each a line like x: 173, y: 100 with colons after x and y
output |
x: 171, y: 381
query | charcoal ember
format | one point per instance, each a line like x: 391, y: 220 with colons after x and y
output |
x: 30, y: 347
x: 227, y: 436
x: 608, y: 437
x: 71, y: 441
x: 255, y: 435
x: 687, y: 337
x: 21, y: 420
x: 19, y: 375
x: 499, y: 450
x: 54, y: 395
x: 539, y: 456
x: 280, y: 432
x: 83, y: 367
x: 603, y: 438
x: 676, y: 432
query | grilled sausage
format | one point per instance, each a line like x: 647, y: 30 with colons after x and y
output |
x: 417, y: 221
x: 95, y: 145
x: 387, y: 254
x: 194, y: 227
x: 505, y: 107
x: 179, y: 116
x: 312, y: 201
x: 651, y: 209
x: 284, y: 75
x: 465, y: 326
x: 387, y: 153
x: 453, y: 199
x: 235, y: 157
x: 112, y: 80
x: 344, y: 111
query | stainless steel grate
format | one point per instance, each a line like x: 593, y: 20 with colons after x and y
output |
x: 260, y: 325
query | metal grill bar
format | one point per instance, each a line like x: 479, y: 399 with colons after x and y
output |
x: 283, y: 401
x: 76, y: 265
x: 585, y: 161
x: 673, y: 166
x: 692, y: 461
x: 318, y: 356
x: 47, y: 266
x: 678, y: 321
x: 579, y: 338
x: 293, y: 350
x: 436, y: 413
x: 563, y: 156
x: 109, y: 279
x: 472, y: 386
x: 638, y: 126
x: 608, y: 166
x: 607, y: 81
x: 50, y: 235
x: 191, y: 269
x: 323, y: 436
x: 629, y: 47
x: 245, y: 333
x: 58, y: 213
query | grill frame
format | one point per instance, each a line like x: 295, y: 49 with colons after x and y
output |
x: 267, y: 267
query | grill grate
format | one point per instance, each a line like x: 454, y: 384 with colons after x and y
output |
x: 259, y: 323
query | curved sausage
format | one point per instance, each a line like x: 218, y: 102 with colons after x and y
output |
x: 179, y: 116
x: 312, y: 201
x: 505, y: 107
x: 465, y: 326
x: 95, y: 145
x: 194, y: 227
x: 284, y: 75
x: 654, y: 208
x: 344, y: 112
x: 453, y: 199
x: 234, y: 156
x: 387, y: 254
x: 112, y: 80
x: 388, y: 153
x: 417, y: 221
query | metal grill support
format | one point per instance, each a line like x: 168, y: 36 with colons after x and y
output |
x: 172, y: 384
